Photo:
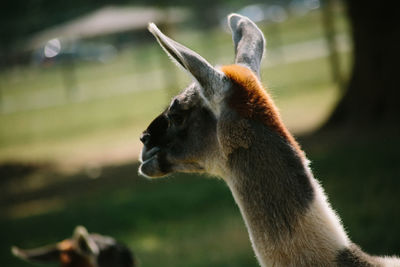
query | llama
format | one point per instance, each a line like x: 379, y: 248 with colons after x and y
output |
x: 82, y: 250
x: 226, y: 124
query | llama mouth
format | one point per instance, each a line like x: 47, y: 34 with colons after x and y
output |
x: 148, y: 155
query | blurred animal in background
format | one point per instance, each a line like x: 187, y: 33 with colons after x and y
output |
x: 82, y: 250
x: 226, y: 124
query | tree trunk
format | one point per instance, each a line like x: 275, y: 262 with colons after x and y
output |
x: 372, y: 98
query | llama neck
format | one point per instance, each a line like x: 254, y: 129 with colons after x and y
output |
x: 289, y: 220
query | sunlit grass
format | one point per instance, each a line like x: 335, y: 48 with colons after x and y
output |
x: 45, y: 119
x: 302, y: 90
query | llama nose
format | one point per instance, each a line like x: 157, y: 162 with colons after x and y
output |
x: 145, y: 138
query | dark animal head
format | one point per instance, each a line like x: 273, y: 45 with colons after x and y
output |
x: 82, y: 250
x: 180, y: 139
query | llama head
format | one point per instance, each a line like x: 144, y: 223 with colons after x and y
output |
x: 83, y: 249
x: 183, y: 138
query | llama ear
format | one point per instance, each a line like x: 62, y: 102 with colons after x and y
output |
x: 248, y: 40
x: 84, y: 242
x: 205, y: 74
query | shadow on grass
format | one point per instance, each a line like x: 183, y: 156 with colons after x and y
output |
x: 187, y: 220
x: 168, y: 222
x: 361, y: 175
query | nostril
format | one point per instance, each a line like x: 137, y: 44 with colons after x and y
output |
x: 145, y: 137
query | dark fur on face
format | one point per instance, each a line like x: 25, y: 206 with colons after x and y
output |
x: 169, y: 136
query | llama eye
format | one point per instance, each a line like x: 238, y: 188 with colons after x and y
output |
x: 176, y: 118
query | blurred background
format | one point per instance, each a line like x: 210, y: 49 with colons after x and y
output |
x: 79, y: 81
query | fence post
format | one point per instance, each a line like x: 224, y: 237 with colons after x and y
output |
x: 69, y: 75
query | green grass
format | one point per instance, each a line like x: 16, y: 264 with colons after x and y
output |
x: 67, y: 131
x: 44, y: 133
x: 149, y: 216
x: 361, y: 177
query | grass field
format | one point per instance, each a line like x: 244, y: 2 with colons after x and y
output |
x: 112, y: 102
x: 67, y: 132
x: 185, y: 220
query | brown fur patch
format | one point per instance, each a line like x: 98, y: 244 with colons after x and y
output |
x: 240, y: 135
x: 66, y: 245
x: 250, y: 100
